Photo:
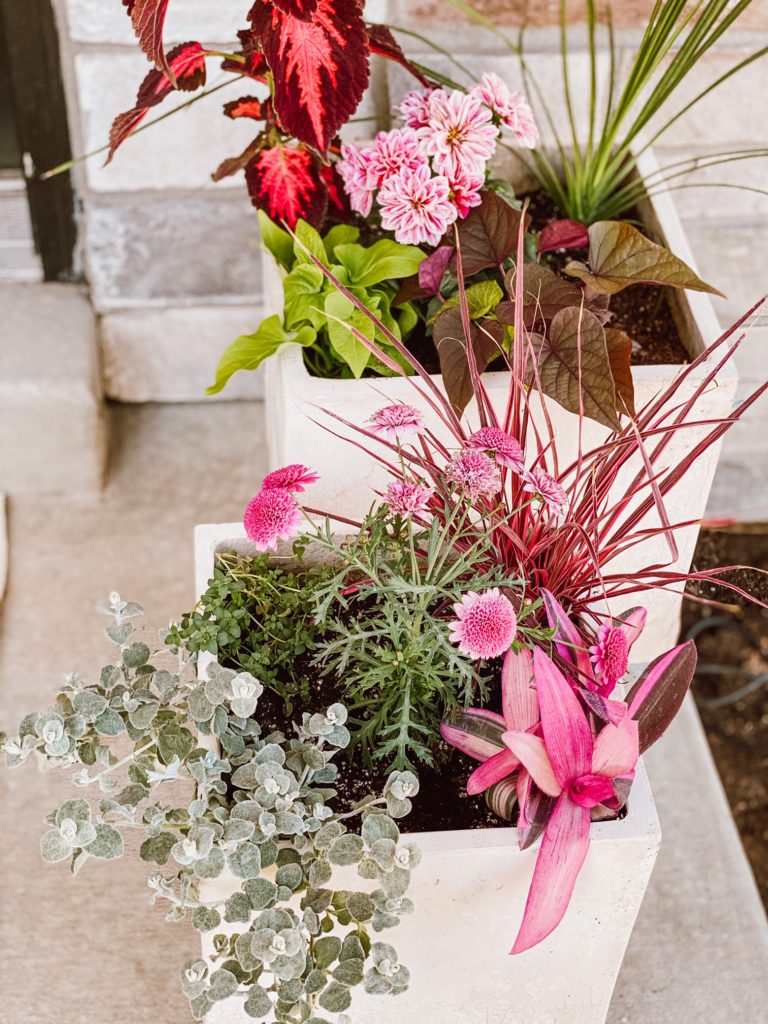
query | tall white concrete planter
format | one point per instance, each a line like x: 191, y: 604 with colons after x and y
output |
x: 470, y: 890
x: 298, y: 431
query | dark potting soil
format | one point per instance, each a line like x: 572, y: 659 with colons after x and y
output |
x: 641, y: 311
x: 733, y: 650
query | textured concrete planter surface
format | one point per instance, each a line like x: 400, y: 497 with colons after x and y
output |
x: 298, y: 431
x: 470, y: 891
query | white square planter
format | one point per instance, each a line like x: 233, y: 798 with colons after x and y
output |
x: 349, y: 478
x: 470, y: 891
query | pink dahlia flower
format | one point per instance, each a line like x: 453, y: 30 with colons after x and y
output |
x: 414, y: 107
x: 465, y: 190
x: 474, y: 473
x: 405, y: 498
x: 416, y: 206
x: 501, y: 445
x: 510, y: 107
x: 486, y: 624
x: 399, y: 420
x: 293, y: 478
x: 271, y: 516
x: 610, y: 655
x: 391, y: 153
x: 544, y: 487
x: 353, y: 169
x: 460, y: 135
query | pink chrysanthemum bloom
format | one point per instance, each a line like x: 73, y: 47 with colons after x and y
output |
x: 271, y: 516
x: 391, y: 153
x: 460, y: 135
x: 406, y: 498
x: 416, y: 206
x: 544, y: 486
x: 353, y: 169
x: 502, y: 446
x: 473, y: 473
x: 510, y: 107
x: 610, y: 655
x: 414, y: 107
x: 399, y: 420
x: 486, y: 624
x: 465, y: 190
x: 293, y: 478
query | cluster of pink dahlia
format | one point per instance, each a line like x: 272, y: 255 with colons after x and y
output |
x: 485, y: 624
x: 474, y: 474
x: 430, y: 172
x: 273, y: 514
x: 504, y: 448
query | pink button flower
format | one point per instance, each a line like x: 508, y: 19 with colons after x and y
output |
x: 271, y: 515
x: 391, y: 153
x: 293, y: 478
x: 460, y: 134
x: 416, y: 206
x: 504, y: 448
x: 510, y: 107
x: 473, y: 473
x: 610, y: 655
x: 486, y: 624
x: 398, y: 420
x: 406, y: 498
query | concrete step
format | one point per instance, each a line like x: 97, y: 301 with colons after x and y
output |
x: 53, y: 437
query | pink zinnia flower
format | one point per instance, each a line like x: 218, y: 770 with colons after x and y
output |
x: 510, y: 107
x: 293, y: 478
x: 416, y: 206
x: 465, y: 190
x: 391, y: 153
x: 610, y: 655
x: 414, y: 107
x: 544, y: 486
x: 353, y: 169
x: 486, y: 624
x: 271, y: 516
x: 399, y: 420
x: 473, y: 472
x: 460, y: 135
x: 497, y: 442
x: 405, y: 498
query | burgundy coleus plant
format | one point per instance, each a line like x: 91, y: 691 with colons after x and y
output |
x: 313, y: 57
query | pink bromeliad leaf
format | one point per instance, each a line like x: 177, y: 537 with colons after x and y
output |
x: 148, y: 18
x: 656, y: 697
x: 568, y: 641
x: 533, y: 755
x: 286, y: 183
x: 475, y: 732
x: 320, y: 66
x: 519, y: 704
x: 566, y: 731
x: 497, y: 768
x: 187, y: 64
x: 631, y: 623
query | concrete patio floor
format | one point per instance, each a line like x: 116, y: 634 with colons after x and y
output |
x: 89, y: 949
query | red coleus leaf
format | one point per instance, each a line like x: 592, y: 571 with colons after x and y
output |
x: 339, y: 210
x: 382, y: 42
x: 187, y: 63
x: 287, y: 184
x: 564, y: 234
x: 299, y: 8
x: 246, y: 106
x: 148, y: 17
x: 320, y: 66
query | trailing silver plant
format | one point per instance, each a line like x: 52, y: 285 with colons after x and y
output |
x: 291, y: 941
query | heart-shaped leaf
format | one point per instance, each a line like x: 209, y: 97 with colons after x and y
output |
x: 433, y: 268
x: 619, y: 347
x: 320, y: 66
x: 286, y: 183
x: 489, y: 234
x: 544, y: 295
x: 187, y: 63
x: 563, y: 234
x: 450, y: 341
x: 574, y: 367
x: 620, y: 255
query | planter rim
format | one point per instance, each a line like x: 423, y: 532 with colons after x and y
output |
x: 640, y: 821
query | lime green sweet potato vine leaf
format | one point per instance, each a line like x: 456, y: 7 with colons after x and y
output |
x: 250, y: 350
x: 620, y: 255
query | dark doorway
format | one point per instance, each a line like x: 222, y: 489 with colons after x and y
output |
x: 34, y: 136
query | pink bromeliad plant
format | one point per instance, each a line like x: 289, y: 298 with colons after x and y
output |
x: 561, y: 746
